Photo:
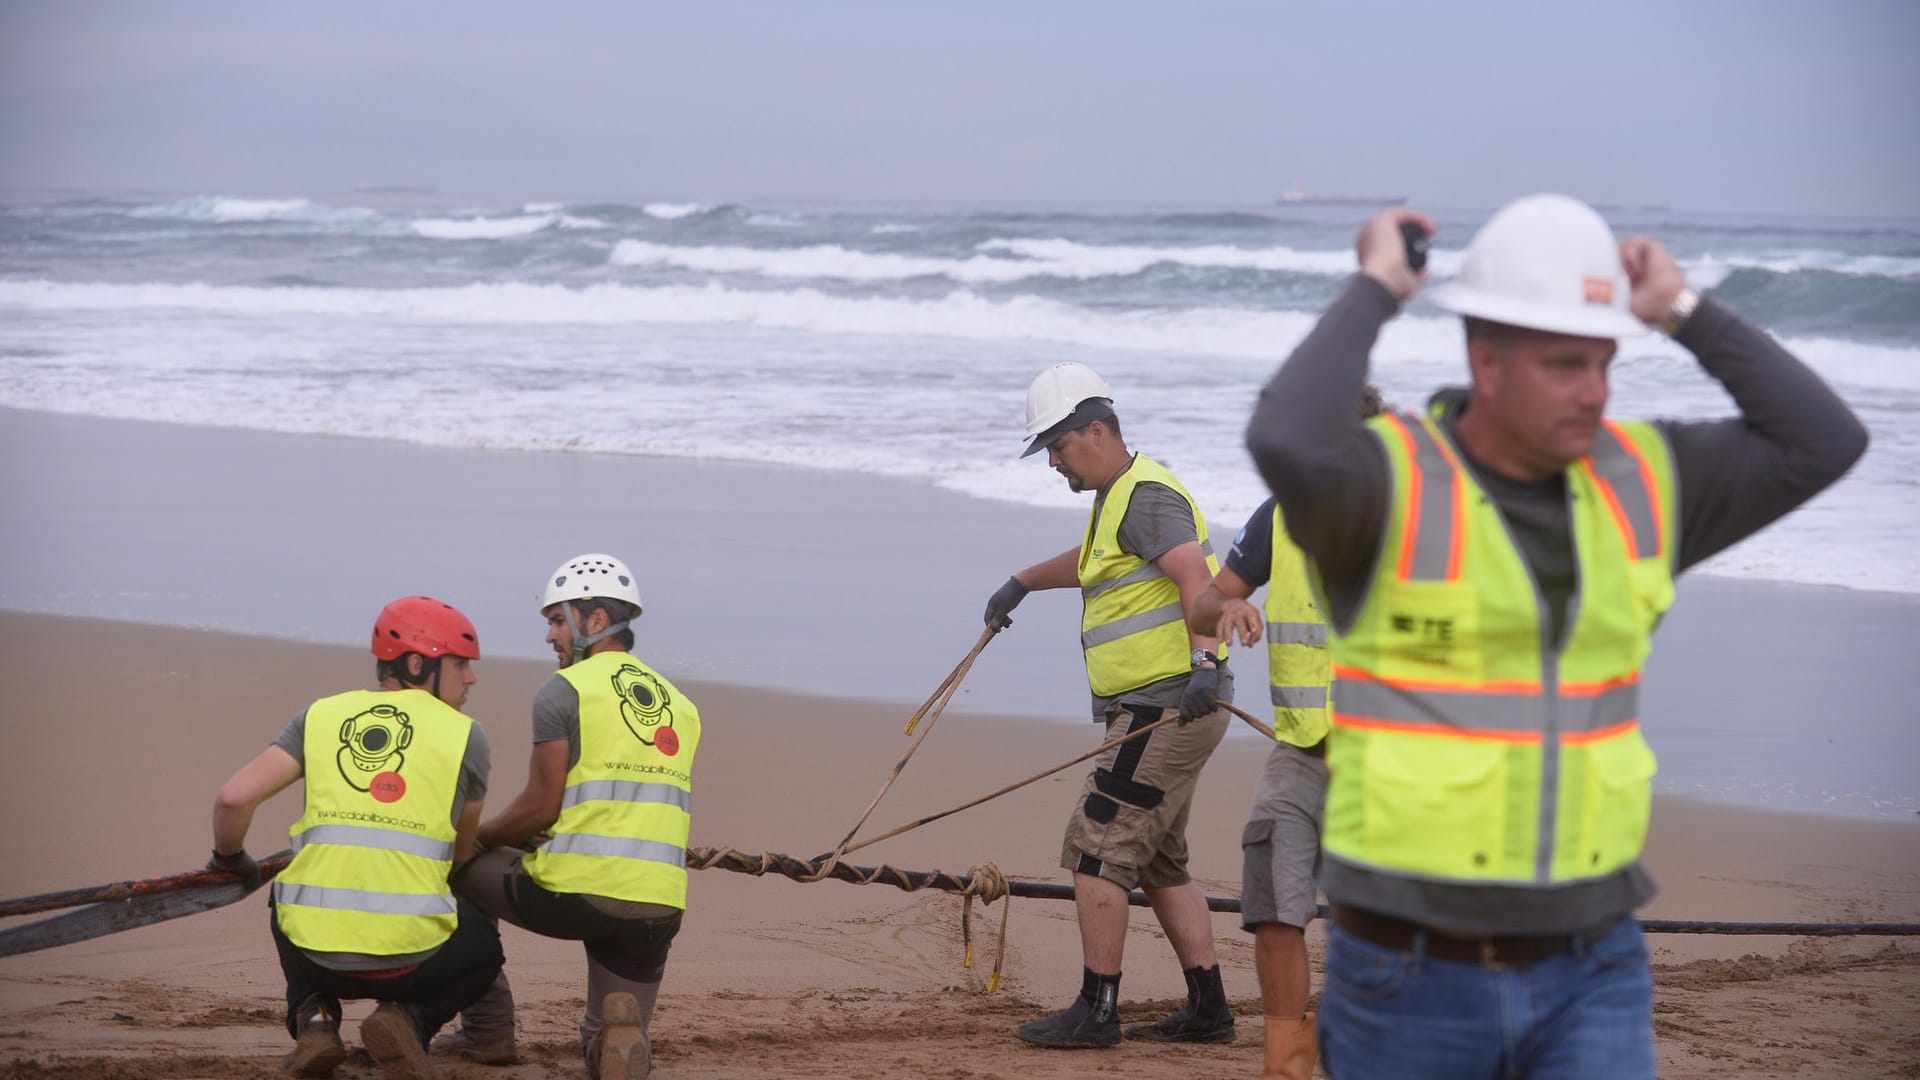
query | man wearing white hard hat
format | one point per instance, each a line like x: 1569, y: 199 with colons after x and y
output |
x: 609, y: 797
x: 1144, y: 562
x: 1492, y: 571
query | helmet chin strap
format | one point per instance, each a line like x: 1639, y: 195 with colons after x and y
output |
x: 583, y: 641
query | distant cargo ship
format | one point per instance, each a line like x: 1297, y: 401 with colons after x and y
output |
x: 1297, y: 196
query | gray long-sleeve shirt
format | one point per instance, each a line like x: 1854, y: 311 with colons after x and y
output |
x: 1793, y: 437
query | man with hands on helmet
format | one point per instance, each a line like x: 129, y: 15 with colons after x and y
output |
x: 1492, y: 571
x: 1145, y: 559
x: 604, y: 819
x: 395, y: 777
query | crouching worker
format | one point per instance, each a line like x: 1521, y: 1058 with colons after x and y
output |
x: 394, y: 782
x: 610, y: 785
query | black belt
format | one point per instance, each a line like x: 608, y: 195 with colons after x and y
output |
x: 1493, y: 952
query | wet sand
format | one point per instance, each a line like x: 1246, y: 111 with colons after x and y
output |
x: 118, y: 734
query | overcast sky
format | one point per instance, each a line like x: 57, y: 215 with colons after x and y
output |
x: 1743, y: 106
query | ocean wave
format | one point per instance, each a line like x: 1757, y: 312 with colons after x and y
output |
x: 1422, y: 348
x: 1709, y: 270
x: 667, y: 211
x: 1031, y: 258
x: 482, y: 228
x: 222, y: 210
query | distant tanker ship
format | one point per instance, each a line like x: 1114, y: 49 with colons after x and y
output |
x: 1298, y: 196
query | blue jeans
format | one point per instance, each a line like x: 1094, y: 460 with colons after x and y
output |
x: 1396, y: 1015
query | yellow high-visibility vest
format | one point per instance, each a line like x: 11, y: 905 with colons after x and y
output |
x: 1133, y: 629
x: 1299, y: 662
x: 373, y: 849
x: 1463, y: 748
x: 628, y: 805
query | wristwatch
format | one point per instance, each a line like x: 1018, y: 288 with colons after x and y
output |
x: 1680, y: 312
x: 1202, y: 656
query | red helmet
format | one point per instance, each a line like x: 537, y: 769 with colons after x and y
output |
x: 424, y: 625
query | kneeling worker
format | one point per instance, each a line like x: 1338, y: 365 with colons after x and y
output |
x: 394, y: 782
x: 611, y: 784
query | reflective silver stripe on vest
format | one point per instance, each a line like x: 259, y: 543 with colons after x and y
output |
x: 1299, y: 697
x: 626, y: 791
x: 1296, y: 633
x: 1433, y: 536
x: 1468, y: 712
x: 1615, y: 464
x: 1146, y: 572
x: 367, y: 900
x: 617, y: 847
x: 1132, y: 624
x: 366, y: 836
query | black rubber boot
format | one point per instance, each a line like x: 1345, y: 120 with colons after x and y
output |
x: 1093, y: 1020
x: 1204, y: 1019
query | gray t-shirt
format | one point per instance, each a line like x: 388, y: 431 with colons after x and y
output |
x: 1158, y: 520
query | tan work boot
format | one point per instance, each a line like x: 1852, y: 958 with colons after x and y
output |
x: 392, y: 1036
x: 485, y: 1035
x: 1291, y: 1048
x: 620, y: 1050
x: 316, y: 1043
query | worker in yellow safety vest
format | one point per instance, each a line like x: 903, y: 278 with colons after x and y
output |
x: 395, y: 777
x: 605, y: 813
x: 1279, y: 894
x: 1143, y: 563
x: 1492, y: 569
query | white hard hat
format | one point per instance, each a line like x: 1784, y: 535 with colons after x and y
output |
x: 1056, y: 393
x: 1545, y: 262
x: 592, y: 575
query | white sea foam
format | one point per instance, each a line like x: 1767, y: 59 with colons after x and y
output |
x: 891, y: 227
x: 667, y: 211
x: 541, y: 207
x: 481, y: 228
x: 1706, y: 271
x: 774, y: 221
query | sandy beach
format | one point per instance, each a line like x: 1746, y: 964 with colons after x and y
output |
x: 173, y: 594
x: 775, y: 978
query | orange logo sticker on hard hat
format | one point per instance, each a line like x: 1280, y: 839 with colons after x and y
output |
x: 1599, y: 290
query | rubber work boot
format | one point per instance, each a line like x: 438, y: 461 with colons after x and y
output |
x: 316, y: 1043
x: 485, y: 1035
x: 1092, y: 1020
x: 392, y: 1036
x: 1291, y: 1048
x: 1205, y: 1017
x: 620, y: 1050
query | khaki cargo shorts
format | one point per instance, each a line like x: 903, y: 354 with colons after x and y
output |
x: 1130, y: 823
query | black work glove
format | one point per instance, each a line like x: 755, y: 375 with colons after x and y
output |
x: 1197, y: 701
x: 239, y: 863
x: 1004, y: 599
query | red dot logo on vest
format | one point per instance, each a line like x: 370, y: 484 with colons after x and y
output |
x: 388, y: 787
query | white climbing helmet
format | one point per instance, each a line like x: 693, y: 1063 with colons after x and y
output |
x: 1544, y: 262
x: 592, y: 575
x: 1057, y: 392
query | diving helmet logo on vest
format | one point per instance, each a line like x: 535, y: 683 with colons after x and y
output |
x: 370, y: 756
x: 647, y: 708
